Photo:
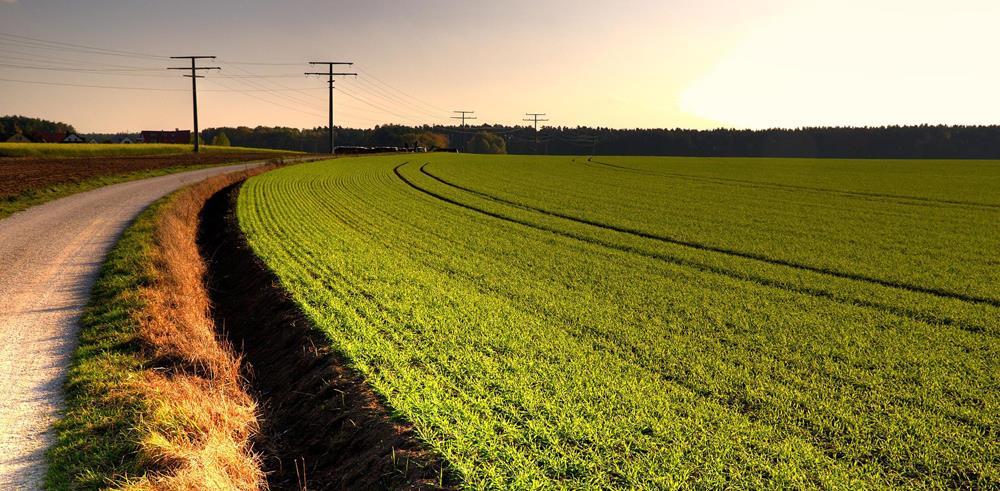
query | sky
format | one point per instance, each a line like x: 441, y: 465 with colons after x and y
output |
x: 622, y: 64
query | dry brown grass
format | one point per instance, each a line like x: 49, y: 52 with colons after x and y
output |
x: 198, y: 420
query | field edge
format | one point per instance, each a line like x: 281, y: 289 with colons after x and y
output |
x: 320, y: 414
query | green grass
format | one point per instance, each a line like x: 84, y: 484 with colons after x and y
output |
x: 97, y: 438
x: 112, y: 150
x: 659, y: 322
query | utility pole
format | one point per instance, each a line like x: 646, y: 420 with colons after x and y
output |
x: 465, y: 115
x: 535, y: 118
x: 194, y: 87
x: 330, y: 75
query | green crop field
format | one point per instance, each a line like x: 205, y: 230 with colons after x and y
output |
x: 659, y: 322
x: 110, y: 150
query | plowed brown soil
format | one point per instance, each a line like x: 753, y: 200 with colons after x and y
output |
x: 21, y: 174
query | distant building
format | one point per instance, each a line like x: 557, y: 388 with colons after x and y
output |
x: 47, y: 137
x: 18, y: 138
x: 56, y: 137
x: 176, y: 136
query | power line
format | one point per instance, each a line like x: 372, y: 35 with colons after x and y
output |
x: 295, y: 100
x: 36, y: 57
x: 254, y: 95
x: 30, y: 42
x: 194, y: 87
x: 69, y: 69
x: 90, y: 86
x: 464, y: 115
x: 369, y: 75
x: 386, y: 95
x: 380, y: 93
x: 256, y: 63
x: 379, y: 107
x: 149, y: 89
x: 505, y: 132
x: 536, y: 118
x: 262, y: 84
x: 331, y: 74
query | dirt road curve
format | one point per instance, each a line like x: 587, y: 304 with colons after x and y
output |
x: 49, y: 258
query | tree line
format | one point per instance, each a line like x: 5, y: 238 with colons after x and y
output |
x: 925, y: 141
x: 12, y: 125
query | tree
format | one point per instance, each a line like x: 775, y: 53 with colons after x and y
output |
x: 221, y: 139
x: 426, y: 139
x: 875, y: 142
x: 486, y: 142
x: 26, y: 125
x: 201, y: 141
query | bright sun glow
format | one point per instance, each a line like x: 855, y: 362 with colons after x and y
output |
x: 858, y: 63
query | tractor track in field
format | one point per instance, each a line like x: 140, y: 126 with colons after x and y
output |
x: 604, y: 341
x: 975, y: 299
x: 814, y: 292
x: 900, y: 199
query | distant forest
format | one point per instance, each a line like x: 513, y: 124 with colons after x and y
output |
x: 976, y: 142
x: 11, y: 125
x: 979, y: 142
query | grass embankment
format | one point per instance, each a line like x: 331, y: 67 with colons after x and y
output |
x: 659, y: 323
x: 153, y: 399
x: 115, y: 150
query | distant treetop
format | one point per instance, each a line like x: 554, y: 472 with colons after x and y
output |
x: 10, y: 125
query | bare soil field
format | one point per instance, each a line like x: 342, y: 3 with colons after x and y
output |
x: 22, y: 174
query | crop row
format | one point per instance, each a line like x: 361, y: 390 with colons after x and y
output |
x: 532, y: 350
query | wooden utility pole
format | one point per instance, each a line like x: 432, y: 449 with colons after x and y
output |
x: 331, y: 74
x: 464, y: 115
x: 536, y: 118
x: 194, y: 88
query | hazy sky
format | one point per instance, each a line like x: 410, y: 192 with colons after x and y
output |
x: 640, y: 63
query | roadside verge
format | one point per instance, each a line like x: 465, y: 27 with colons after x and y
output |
x: 153, y: 399
x: 157, y: 398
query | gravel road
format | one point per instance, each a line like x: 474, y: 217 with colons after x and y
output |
x: 49, y: 258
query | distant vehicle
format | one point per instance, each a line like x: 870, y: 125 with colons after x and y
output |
x: 355, y: 150
x: 164, y: 136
